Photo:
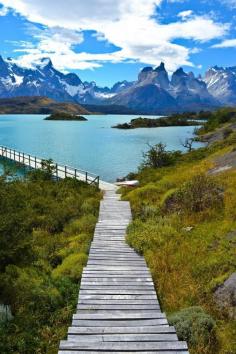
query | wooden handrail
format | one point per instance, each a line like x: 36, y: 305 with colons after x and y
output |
x: 26, y: 159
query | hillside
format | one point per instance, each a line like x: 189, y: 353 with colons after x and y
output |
x: 38, y: 105
x: 184, y: 224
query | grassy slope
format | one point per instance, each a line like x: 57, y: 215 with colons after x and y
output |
x: 187, y: 265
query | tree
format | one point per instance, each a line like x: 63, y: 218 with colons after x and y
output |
x: 188, y: 144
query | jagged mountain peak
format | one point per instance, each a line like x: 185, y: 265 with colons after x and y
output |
x: 160, y: 68
x: 45, y: 63
x: 180, y: 72
x: 157, y: 76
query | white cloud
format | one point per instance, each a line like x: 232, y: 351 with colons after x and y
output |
x: 3, y: 11
x: 128, y: 24
x: 228, y: 43
x: 185, y: 14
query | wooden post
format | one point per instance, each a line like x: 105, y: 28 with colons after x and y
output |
x: 86, y: 177
x: 35, y: 162
x: 57, y: 170
x: 23, y: 157
x: 14, y: 155
x: 65, y: 171
x: 75, y: 173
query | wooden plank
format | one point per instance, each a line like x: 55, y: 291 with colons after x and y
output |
x: 122, y: 288
x: 118, y: 280
x: 85, y: 282
x: 120, y: 323
x: 109, y: 268
x: 117, y: 296
x: 121, y: 330
x: 121, y: 316
x: 117, y: 292
x: 121, y: 301
x: 159, y: 337
x: 177, y: 345
x: 117, y: 307
x: 66, y: 351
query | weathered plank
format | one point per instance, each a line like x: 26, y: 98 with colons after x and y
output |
x: 117, y: 307
x: 159, y: 337
x: 134, y: 346
x: 120, y: 316
x: 121, y: 330
x: 123, y: 323
x: 66, y: 351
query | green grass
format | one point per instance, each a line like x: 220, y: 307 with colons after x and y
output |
x: 186, y: 246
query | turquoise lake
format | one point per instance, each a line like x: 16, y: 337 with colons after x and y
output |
x: 93, y: 145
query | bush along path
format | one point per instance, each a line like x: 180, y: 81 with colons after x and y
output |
x: 118, y: 310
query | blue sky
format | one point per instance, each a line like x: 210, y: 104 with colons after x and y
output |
x: 108, y: 41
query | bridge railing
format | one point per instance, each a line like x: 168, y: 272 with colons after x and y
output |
x: 59, y: 171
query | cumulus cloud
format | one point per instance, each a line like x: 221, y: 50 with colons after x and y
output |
x: 228, y: 43
x: 185, y: 14
x: 128, y: 24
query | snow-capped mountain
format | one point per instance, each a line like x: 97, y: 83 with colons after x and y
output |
x: 153, y: 92
x: 221, y: 83
x: 45, y: 80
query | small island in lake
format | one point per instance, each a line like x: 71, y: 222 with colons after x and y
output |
x: 172, y: 121
x: 65, y: 116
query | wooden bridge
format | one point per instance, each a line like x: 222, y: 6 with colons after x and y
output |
x: 118, y: 310
x: 60, y: 171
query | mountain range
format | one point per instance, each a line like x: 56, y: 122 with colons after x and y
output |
x: 154, y: 92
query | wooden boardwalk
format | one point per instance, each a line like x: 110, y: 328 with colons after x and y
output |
x: 118, y: 310
x: 61, y: 171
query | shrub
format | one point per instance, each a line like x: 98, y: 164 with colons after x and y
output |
x: 194, y: 326
x: 84, y: 224
x: 197, y: 195
x: 71, y: 267
x: 157, y: 156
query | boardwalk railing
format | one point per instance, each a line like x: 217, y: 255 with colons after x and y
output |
x: 59, y: 171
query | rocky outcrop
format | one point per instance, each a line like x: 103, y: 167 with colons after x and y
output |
x: 225, y: 296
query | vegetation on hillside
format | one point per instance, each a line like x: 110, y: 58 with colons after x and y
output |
x: 38, y: 105
x: 45, y: 231
x: 185, y: 226
x: 65, y: 116
x: 220, y: 118
x: 172, y: 121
